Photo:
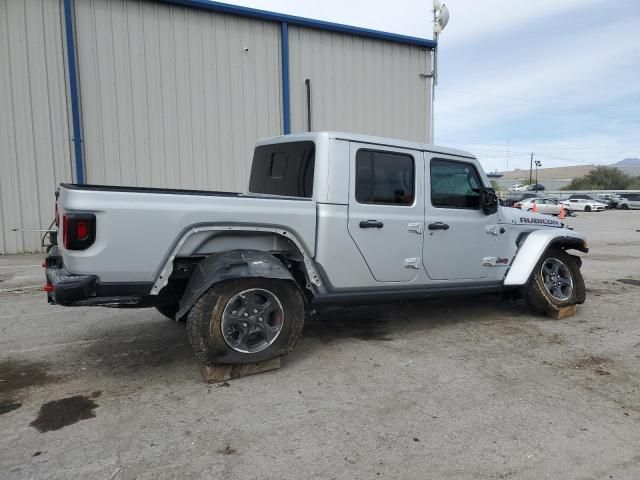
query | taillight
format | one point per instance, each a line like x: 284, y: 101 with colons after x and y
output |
x: 82, y: 230
x: 78, y: 230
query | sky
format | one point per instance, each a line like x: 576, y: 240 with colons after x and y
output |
x: 557, y: 78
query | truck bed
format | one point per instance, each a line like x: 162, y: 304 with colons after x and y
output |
x: 138, y: 228
x: 167, y: 191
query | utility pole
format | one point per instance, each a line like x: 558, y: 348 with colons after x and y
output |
x: 440, y: 20
x: 508, y: 151
x: 531, y: 169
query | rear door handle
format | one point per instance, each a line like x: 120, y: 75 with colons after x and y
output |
x: 438, y: 226
x: 371, y: 224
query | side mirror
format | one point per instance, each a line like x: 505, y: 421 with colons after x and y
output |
x: 488, y: 200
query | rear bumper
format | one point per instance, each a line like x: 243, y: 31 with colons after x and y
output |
x: 67, y: 287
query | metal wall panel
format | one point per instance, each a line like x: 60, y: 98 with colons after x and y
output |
x: 34, y: 131
x: 174, y: 96
x: 359, y: 85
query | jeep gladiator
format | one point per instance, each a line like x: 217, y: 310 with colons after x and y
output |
x: 328, y: 219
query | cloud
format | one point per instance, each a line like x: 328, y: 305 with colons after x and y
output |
x: 574, y: 74
x: 558, y: 76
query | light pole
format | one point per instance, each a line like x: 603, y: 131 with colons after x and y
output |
x: 538, y: 164
x: 440, y: 20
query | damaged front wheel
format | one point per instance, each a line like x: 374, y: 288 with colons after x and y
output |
x: 556, y: 282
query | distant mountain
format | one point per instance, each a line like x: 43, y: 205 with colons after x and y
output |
x: 628, y: 162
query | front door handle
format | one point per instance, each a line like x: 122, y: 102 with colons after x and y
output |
x: 371, y: 224
x: 438, y: 226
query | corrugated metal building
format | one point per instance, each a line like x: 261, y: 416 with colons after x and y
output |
x: 174, y: 93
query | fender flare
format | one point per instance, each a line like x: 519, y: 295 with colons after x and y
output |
x: 535, y: 246
x: 229, y: 265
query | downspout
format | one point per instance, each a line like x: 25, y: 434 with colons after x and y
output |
x: 307, y: 82
x: 76, y: 138
x: 286, y: 99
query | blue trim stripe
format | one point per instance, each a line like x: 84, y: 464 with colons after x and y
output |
x: 286, y: 99
x: 73, y: 90
x: 303, y: 22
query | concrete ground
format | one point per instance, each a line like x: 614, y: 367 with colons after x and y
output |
x: 470, y: 388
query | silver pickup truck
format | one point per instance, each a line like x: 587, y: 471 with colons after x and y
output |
x: 329, y: 219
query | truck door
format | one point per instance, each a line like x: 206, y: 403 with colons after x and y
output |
x: 459, y: 236
x: 386, y: 209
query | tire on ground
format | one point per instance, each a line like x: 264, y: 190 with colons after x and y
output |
x: 205, y: 318
x: 536, y: 295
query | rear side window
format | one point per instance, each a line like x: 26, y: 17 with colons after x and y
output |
x: 454, y: 185
x: 283, y: 169
x: 384, y: 177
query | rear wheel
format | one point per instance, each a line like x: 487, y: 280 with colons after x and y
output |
x: 624, y: 206
x: 556, y: 282
x: 246, y: 321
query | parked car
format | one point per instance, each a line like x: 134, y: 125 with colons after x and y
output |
x: 513, y: 199
x: 536, y: 187
x: 611, y: 198
x: 631, y: 200
x: 590, y: 197
x: 518, y: 187
x: 582, y: 204
x: 330, y: 219
x: 543, y: 205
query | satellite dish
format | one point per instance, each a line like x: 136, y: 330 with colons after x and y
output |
x: 443, y: 19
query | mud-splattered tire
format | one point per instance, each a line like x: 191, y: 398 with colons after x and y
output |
x: 538, y: 295
x: 211, y: 313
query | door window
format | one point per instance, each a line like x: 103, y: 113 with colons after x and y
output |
x: 454, y: 185
x: 384, y: 177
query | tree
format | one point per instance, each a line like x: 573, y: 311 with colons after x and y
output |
x: 603, y: 178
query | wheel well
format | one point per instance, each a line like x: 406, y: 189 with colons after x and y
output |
x: 183, y: 267
x: 569, y: 244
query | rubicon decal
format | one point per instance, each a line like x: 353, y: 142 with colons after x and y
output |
x: 540, y: 221
x: 502, y: 261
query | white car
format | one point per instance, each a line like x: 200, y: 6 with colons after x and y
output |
x: 631, y: 200
x: 584, y: 205
x: 543, y: 205
x: 518, y: 188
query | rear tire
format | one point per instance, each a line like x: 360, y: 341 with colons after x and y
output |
x: 543, y: 293
x: 220, y: 332
x: 624, y: 206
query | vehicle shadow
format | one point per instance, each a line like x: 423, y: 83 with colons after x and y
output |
x: 145, y: 341
x: 154, y: 346
x: 383, y: 322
